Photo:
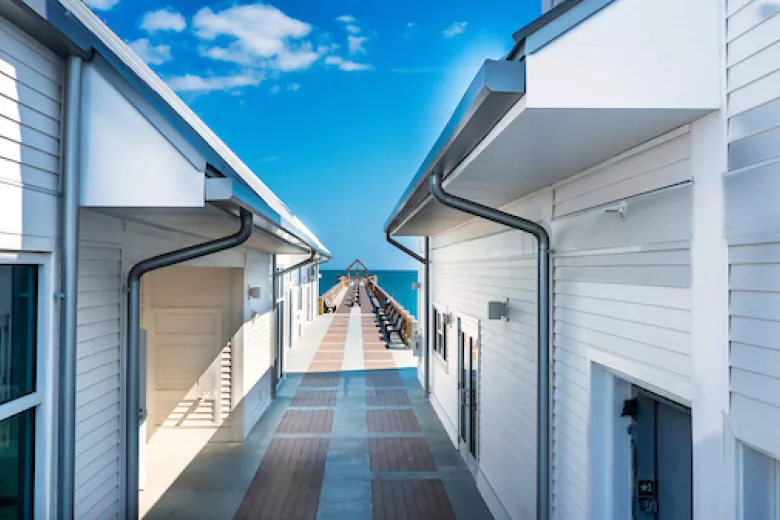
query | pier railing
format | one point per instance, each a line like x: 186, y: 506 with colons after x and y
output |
x: 332, y: 295
x: 408, y: 322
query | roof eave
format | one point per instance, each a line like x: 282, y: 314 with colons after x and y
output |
x: 62, y: 15
x: 497, y: 86
x: 229, y: 193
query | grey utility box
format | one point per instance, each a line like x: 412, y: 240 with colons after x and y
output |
x: 498, y: 310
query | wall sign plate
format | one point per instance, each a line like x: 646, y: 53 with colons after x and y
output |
x: 645, y: 489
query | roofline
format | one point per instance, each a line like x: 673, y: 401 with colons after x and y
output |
x: 497, y: 86
x: 87, y: 34
x: 225, y: 191
x: 446, y: 153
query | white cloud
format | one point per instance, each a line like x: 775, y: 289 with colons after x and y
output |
x: 151, y: 54
x: 262, y: 35
x: 294, y: 87
x: 346, y: 65
x: 101, y: 5
x: 355, y: 44
x: 275, y: 89
x: 193, y: 83
x: 349, y: 23
x: 163, y: 20
x: 295, y: 59
x: 454, y: 29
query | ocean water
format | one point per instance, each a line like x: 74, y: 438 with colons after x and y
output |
x: 397, y: 283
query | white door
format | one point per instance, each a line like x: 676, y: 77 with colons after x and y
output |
x: 187, y: 367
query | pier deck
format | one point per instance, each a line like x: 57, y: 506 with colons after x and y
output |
x: 350, y: 436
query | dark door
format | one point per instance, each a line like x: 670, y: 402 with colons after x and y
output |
x: 279, y: 339
x: 663, y: 460
x: 468, y: 382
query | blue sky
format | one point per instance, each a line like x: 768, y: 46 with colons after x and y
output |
x: 333, y: 104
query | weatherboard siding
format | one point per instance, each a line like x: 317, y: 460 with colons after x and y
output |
x: 471, y: 265
x: 753, y: 222
x: 621, y: 299
x: 621, y: 292
x: 30, y: 140
x: 99, y: 368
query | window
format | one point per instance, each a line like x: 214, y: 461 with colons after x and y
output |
x: 440, y: 333
x: 18, y: 302
x: 18, y: 397
x: 759, y: 490
x: 17, y: 448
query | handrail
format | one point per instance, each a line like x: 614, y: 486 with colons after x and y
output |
x: 332, y: 292
x: 408, y: 321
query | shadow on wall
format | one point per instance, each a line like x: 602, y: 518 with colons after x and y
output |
x: 30, y: 128
x: 199, y: 417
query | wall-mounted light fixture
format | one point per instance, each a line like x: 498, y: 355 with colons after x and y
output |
x: 253, y: 293
x: 498, y: 310
x: 416, y: 286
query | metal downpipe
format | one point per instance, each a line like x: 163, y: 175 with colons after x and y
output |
x: 428, y: 322
x: 277, y: 335
x: 543, y: 327
x: 405, y: 249
x: 424, y: 261
x: 66, y: 462
x: 133, y: 406
x: 286, y: 270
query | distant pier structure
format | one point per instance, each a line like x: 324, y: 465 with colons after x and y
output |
x: 357, y: 287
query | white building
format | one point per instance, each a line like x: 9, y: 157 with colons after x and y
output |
x: 644, y: 136
x: 101, y: 168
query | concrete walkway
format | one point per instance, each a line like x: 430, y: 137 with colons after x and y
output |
x: 347, y: 445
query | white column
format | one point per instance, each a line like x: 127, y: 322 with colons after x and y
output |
x: 712, y: 487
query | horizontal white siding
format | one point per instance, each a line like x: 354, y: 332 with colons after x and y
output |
x: 257, y: 370
x: 755, y: 333
x: 661, y: 162
x: 641, y: 330
x: 472, y: 265
x: 753, y: 82
x: 621, y: 299
x: 621, y: 292
x: 753, y: 220
x: 30, y: 125
x: 99, y: 368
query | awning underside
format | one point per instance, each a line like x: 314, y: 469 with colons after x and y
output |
x: 207, y: 223
x: 538, y: 148
x: 605, y: 76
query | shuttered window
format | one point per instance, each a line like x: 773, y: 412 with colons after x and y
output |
x: 440, y: 336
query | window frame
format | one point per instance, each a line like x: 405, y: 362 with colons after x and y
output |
x: 439, y: 343
x: 740, y: 472
x: 42, y: 399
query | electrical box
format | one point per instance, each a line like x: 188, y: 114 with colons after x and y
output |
x: 498, y: 310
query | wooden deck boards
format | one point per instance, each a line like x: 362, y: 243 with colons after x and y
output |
x: 290, y: 480
x: 288, y: 483
x: 419, y: 499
